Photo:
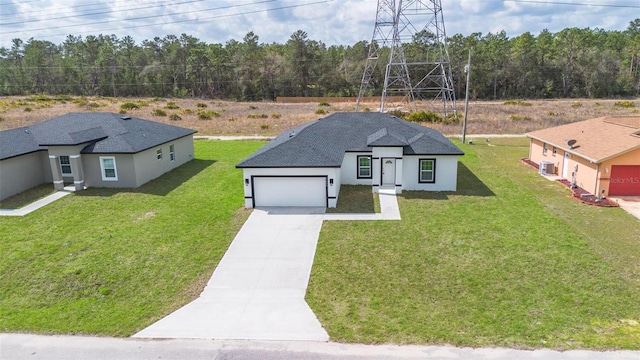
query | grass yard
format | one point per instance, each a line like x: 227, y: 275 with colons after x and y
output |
x: 111, y: 262
x: 507, y: 260
x: 356, y: 199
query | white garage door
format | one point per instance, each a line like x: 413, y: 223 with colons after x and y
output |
x: 290, y: 191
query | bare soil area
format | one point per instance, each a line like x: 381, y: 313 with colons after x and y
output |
x: 221, y: 117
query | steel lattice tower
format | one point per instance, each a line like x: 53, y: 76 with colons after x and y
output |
x: 427, y: 73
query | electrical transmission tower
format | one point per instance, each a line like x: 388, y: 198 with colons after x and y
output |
x: 418, y: 67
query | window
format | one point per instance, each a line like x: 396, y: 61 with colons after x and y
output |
x: 172, y: 154
x: 427, y: 171
x: 108, y: 167
x: 159, y: 154
x: 544, y: 148
x: 65, y: 166
x: 364, y: 167
x: 555, y: 151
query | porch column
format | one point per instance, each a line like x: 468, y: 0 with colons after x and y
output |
x: 58, y: 183
x: 78, y: 173
x: 399, y: 179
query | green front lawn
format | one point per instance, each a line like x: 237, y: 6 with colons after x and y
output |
x: 507, y: 260
x: 111, y: 262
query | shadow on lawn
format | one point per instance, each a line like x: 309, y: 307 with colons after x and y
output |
x: 468, y: 185
x: 160, y: 186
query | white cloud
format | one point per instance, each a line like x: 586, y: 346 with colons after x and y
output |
x: 342, y: 22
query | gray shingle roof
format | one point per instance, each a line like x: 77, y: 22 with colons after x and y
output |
x: 322, y: 143
x: 16, y: 142
x: 104, y: 133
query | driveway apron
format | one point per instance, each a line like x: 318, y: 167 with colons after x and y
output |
x: 257, y: 290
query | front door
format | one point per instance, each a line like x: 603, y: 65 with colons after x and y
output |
x: 388, y: 171
x: 565, y: 166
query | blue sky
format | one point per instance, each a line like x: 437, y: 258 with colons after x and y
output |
x: 342, y: 22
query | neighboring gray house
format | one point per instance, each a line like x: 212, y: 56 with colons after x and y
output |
x: 307, y: 165
x: 90, y: 150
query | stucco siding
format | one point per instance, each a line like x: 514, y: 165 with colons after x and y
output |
x: 21, y: 173
x: 148, y: 167
x: 349, y: 170
x: 124, y: 167
x: 446, y: 173
x: 537, y: 155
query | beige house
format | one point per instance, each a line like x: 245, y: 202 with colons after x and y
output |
x: 600, y: 155
x: 90, y: 150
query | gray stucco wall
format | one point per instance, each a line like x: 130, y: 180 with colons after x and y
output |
x: 21, y: 173
x: 148, y: 167
x: 134, y: 170
x: 124, y: 168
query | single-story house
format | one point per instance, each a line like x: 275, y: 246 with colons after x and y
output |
x: 90, y: 150
x: 307, y: 165
x: 600, y: 155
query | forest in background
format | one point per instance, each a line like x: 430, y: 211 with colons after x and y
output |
x: 572, y: 63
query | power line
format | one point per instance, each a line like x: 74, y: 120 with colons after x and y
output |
x: 137, y: 18
x: 103, y: 12
x: 574, y: 4
x: 180, y: 21
x: 70, y: 9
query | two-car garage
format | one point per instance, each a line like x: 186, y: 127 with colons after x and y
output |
x: 289, y: 191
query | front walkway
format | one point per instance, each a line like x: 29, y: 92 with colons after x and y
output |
x: 257, y: 290
x: 37, y: 204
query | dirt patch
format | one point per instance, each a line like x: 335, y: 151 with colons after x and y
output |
x: 219, y: 117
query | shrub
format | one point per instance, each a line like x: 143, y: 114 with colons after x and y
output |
x: 264, y: 127
x: 519, y: 118
x: 321, y: 111
x: 324, y: 103
x: 129, y: 106
x: 93, y: 105
x: 81, y: 101
x: 187, y: 111
x: 397, y: 113
x: 577, y: 104
x: 517, y: 102
x: 28, y: 109
x: 624, y: 104
x: 424, y: 116
x: 275, y: 116
x: 257, y: 116
x: 201, y: 105
x: 175, y: 117
x: 158, y: 112
x: 2, y: 119
x: 172, y: 106
x: 41, y: 98
x: 207, y: 115
x: 252, y: 107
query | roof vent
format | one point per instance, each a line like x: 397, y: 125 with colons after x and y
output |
x: 292, y: 134
x: 125, y: 117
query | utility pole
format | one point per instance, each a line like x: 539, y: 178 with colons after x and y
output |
x: 467, y: 70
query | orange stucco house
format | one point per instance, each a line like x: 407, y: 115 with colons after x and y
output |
x: 600, y: 155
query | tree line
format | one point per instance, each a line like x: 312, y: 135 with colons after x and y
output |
x: 574, y: 62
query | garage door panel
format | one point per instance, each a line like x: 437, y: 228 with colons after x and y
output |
x: 290, y: 191
x: 625, y: 180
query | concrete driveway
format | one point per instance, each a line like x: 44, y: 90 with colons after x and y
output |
x: 630, y: 204
x: 257, y: 290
